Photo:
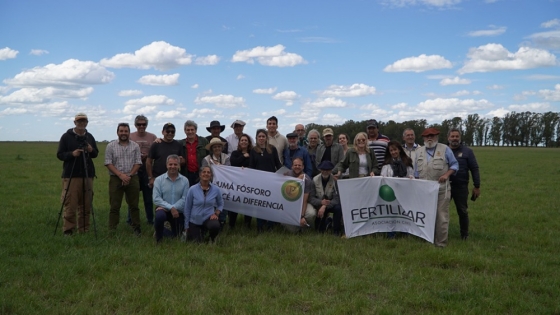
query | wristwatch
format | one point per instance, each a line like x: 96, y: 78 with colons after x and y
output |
x: 149, y: 177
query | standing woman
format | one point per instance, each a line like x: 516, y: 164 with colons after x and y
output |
x: 313, y: 137
x: 397, y: 163
x: 264, y: 157
x: 358, y: 160
x: 343, y: 141
x: 240, y: 158
x: 202, y: 208
x: 216, y: 156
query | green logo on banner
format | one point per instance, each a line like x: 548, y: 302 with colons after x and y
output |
x: 387, y: 193
x: 292, y: 190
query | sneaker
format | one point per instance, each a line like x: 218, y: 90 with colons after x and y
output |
x: 68, y: 233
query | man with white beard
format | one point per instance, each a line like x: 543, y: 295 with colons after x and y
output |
x: 435, y: 161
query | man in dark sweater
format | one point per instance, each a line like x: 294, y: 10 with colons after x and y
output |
x: 460, y: 180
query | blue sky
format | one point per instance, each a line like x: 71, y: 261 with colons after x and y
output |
x: 302, y: 61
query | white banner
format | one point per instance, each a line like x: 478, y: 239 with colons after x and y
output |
x: 387, y: 204
x: 263, y: 195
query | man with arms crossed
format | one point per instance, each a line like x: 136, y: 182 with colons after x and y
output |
x: 435, y: 161
x: 460, y: 180
x: 275, y: 138
x: 122, y: 159
x: 144, y: 139
x: 170, y: 190
x: 409, y: 143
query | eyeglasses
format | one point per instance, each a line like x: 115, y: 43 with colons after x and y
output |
x: 170, y: 131
x: 82, y: 121
x: 142, y: 125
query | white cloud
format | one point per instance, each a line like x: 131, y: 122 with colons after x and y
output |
x: 41, y: 95
x: 524, y: 95
x: 8, y: 53
x: 460, y: 93
x: 548, y: 40
x: 274, y: 56
x: 160, y: 80
x: 329, y: 102
x: 288, y: 96
x: 354, y: 90
x: 500, y: 112
x: 531, y: 107
x: 551, y: 95
x: 551, y: 23
x: 428, y: 3
x: 158, y: 55
x: 239, y: 77
x: 419, y: 64
x: 332, y: 119
x: 493, y: 31
x: 454, y: 81
x: 278, y: 112
x: 401, y: 105
x: 495, y: 87
x: 209, y: 60
x: 130, y: 92
x: 38, y: 52
x: 194, y: 86
x: 494, y: 57
x: 71, y: 72
x: 449, y: 105
x: 476, y: 92
x: 161, y: 115
x: 151, y: 100
x: 264, y: 91
x: 202, y: 112
x: 222, y: 101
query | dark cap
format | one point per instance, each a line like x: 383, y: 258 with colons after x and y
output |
x: 430, y: 131
x: 215, y: 123
x: 326, y: 165
x: 292, y: 135
x: 372, y: 123
x: 167, y: 126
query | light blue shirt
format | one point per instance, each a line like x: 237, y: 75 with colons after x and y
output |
x: 170, y: 194
x: 198, y: 207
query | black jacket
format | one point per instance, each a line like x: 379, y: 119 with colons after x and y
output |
x: 467, y: 161
x: 74, y: 166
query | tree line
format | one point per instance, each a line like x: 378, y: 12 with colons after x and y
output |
x: 514, y: 129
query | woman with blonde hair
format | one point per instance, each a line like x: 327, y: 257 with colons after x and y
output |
x: 358, y: 160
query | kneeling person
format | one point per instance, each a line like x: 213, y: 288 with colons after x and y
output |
x: 170, y: 190
x: 308, y: 213
x: 325, y: 198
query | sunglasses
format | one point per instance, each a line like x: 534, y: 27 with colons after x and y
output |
x: 141, y: 125
x: 170, y: 131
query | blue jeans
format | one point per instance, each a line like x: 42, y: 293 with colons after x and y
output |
x: 146, y: 196
x: 177, y: 224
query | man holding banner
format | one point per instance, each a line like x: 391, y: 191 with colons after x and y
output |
x: 308, y: 213
x: 436, y: 162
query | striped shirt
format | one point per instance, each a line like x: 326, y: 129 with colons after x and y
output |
x: 379, y: 146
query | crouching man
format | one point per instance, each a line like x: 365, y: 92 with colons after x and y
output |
x: 325, y: 199
x: 308, y: 213
x: 170, y: 191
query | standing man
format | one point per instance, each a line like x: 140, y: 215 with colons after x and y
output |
x: 275, y: 138
x: 302, y: 139
x: 293, y: 150
x: 144, y: 139
x: 460, y: 180
x: 170, y: 191
x: 233, y: 139
x: 308, y: 213
x: 410, y: 145
x: 194, y: 147
x: 377, y: 144
x: 156, y: 163
x: 435, y: 161
x: 123, y: 160
x: 329, y: 150
x: 325, y: 198
x: 215, y: 129
x: 76, y: 147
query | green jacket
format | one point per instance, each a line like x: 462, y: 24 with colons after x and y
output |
x: 351, y: 162
x: 201, y: 152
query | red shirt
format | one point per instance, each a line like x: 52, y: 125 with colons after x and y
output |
x: 190, y: 149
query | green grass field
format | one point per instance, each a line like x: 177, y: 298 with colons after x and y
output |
x: 509, y: 265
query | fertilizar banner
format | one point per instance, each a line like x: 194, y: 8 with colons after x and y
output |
x: 389, y: 204
x: 263, y: 195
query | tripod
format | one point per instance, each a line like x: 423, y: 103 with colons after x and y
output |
x: 84, y: 191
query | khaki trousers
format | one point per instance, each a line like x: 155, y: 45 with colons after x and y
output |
x: 79, y: 195
x: 442, y: 218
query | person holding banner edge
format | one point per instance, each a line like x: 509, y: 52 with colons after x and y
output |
x: 435, y: 161
x: 240, y: 158
x: 308, y: 212
x: 325, y: 199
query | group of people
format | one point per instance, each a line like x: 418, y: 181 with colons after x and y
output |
x: 175, y: 176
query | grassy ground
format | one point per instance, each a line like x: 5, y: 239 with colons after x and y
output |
x: 510, y: 264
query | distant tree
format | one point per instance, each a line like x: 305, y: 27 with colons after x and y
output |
x: 496, y: 130
x: 550, y: 122
x: 470, y: 128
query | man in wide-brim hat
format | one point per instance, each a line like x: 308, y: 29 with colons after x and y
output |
x: 215, y: 129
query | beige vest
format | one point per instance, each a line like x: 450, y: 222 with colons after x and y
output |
x: 437, y: 166
x: 329, y: 188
